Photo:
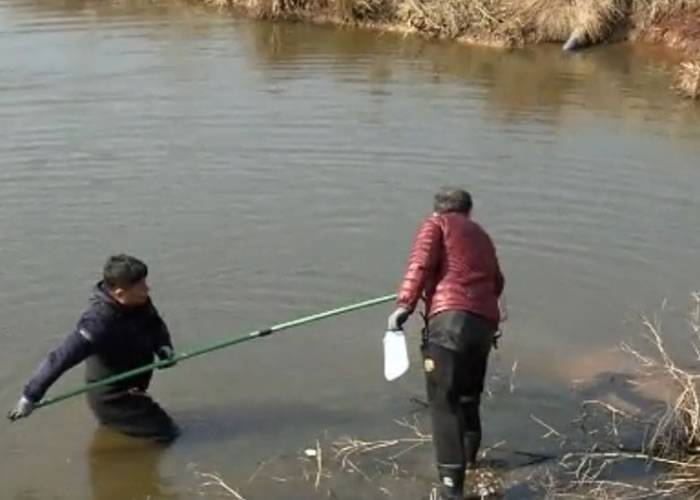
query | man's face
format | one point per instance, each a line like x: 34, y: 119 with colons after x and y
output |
x: 135, y: 295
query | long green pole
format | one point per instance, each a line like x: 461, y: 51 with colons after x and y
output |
x: 216, y: 346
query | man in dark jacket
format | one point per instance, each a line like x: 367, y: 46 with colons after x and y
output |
x: 453, y: 267
x: 119, y: 331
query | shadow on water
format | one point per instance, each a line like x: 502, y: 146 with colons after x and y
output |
x: 623, y: 387
x: 202, y: 426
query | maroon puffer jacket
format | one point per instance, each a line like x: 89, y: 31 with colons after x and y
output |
x: 453, y: 266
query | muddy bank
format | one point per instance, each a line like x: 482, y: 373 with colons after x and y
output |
x: 576, y: 24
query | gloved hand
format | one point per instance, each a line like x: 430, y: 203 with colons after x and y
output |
x: 166, y: 353
x: 397, y: 319
x: 496, y: 337
x: 22, y: 409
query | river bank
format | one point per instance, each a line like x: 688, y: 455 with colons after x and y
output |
x: 511, y: 24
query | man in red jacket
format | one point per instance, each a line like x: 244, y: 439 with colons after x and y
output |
x: 453, y: 267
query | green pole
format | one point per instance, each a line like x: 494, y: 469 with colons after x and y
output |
x: 216, y: 346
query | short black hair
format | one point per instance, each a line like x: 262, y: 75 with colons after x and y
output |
x: 452, y: 199
x: 123, y: 271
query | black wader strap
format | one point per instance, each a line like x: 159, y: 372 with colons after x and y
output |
x: 424, y: 331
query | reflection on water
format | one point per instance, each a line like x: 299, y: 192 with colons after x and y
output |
x: 122, y: 468
x: 515, y: 83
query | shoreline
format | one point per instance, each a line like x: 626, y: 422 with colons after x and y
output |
x: 509, y: 24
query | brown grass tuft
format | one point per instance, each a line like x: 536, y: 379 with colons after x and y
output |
x: 555, y: 20
x: 659, y: 9
x: 688, y: 79
x: 365, y: 10
x: 452, y: 18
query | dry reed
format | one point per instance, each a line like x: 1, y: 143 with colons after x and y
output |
x: 670, y: 436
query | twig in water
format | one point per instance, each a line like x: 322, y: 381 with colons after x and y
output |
x: 217, y: 481
x: 420, y: 402
x: 357, y: 469
x: 551, y: 430
x: 614, y: 412
x: 319, y: 465
x: 261, y: 466
x: 629, y: 455
x: 512, y: 376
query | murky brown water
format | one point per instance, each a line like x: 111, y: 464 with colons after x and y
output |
x: 269, y: 171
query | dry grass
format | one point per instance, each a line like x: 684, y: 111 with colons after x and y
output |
x: 214, y: 480
x: 670, y: 438
x: 453, y: 18
x: 526, y: 20
x: 654, y: 10
x: 555, y: 20
x: 513, y: 21
x: 688, y: 79
x: 516, y: 21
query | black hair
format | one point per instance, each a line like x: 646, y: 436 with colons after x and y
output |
x: 451, y: 199
x: 123, y: 271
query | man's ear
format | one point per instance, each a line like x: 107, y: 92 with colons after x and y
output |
x: 118, y: 293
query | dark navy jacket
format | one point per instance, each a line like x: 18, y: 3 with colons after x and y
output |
x: 113, y: 338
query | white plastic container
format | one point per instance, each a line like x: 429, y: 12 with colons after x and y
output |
x: 395, y: 355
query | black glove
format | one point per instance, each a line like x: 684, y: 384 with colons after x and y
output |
x: 166, y: 353
x: 496, y: 338
x: 397, y: 319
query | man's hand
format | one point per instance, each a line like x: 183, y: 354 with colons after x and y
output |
x: 397, y: 319
x: 496, y: 337
x: 22, y: 409
x: 166, y: 353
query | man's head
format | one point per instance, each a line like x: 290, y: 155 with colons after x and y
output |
x: 125, y: 279
x: 450, y: 199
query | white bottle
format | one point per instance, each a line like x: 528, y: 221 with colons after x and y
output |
x: 395, y: 354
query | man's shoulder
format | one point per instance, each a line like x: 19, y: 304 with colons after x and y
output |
x: 476, y: 227
x: 432, y: 222
x: 96, y: 320
x: 459, y: 220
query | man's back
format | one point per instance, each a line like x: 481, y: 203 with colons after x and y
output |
x: 469, y: 277
x: 454, y: 264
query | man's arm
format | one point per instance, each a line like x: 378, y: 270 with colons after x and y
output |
x: 423, y: 260
x: 162, y: 342
x: 75, y: 348
x: 500, y: 281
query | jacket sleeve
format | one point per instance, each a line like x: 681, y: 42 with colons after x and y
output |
x: 74, y: 349
x: 422, y: 262
x: 161, y: 334
x: 500, y: 281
